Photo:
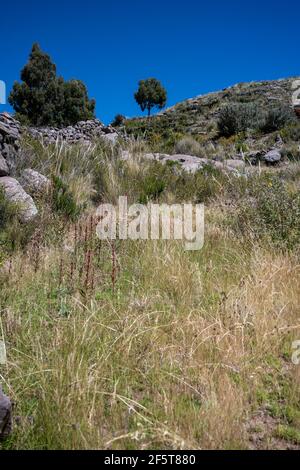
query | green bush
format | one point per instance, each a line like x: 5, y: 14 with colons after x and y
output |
x: 118, y: 120
x: 236, y: 118
x: 276, y: 118
x: 270, y: 211
x: 152, y: 186
x: 7, y: 210
x: 13, y: 234
x: 291, y: 132
x: 63, y: 201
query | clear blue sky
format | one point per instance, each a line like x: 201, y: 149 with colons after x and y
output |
x: 192, y: 46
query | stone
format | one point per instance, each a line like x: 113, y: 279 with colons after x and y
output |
x: 8, y: 131
x: 15, y: 193
x: 4, y: 170
x: 5, y: 415
x: 34, y: 182
x: 111, y: 138
x: 83, y: 131
x: 235, y: 164
x: 272, y: 157
x: 10, y: 155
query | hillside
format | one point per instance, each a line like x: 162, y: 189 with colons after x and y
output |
x: 198, y: 115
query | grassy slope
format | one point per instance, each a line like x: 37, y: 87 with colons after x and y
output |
x: 144, y: 345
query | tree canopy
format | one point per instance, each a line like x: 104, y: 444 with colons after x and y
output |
x: 44, y: 99
x: 151, y: 94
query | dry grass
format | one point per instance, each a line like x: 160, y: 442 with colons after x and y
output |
x: 175, y: 356
x: 141, y: 345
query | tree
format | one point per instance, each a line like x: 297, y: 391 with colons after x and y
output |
x: 151, y: 94
x: 45, y: 99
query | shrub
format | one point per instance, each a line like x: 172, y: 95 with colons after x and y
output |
x: 291, y: 152
x: 276, y: 118
x: 291, y: 132
x: 236, y: 118
x: 270, y: 211
x: 188, y: 146
x: 63, y: 200
x: 118, y: 120
x: 13, y: 234
x: 7, y: 210
x: 152, y: 187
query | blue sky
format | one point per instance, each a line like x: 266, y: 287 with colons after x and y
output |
x: 192, y: 46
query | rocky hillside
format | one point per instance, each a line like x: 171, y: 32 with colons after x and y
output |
x: 198, y: 116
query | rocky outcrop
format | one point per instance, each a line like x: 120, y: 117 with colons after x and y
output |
x: 198, y: 115
x: 34, y: 183
x: 15, y: 194
x: 9, y: 143
x: 84, y: 131
x: 5, y: 415
x: 4, y: 170
x: 10, y: 133
x: 192, y: 164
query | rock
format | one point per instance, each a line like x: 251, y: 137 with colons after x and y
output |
x: 5, y: 415
x: 16, y: 194
x: 33, y: 182
x: 111, y: 138
x: 4, y: 170
x: 83, y: 131
x: 272, y: 157
x: 9, y: 145
x: 10, y: 155
x: 235, y: 164
x: 9, y: 131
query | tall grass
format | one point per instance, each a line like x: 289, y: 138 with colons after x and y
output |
x: 141, y: 345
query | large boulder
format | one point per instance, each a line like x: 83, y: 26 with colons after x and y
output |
x: 5, y: 415
x: 34, y: 183
x: 15, y: 193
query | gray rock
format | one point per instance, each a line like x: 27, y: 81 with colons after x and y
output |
x: 5, y: 415
x: 4, y: 170
x: 111, y: 138
x: 33, y: 182
x: 272, y: 157
x: 8, y: 131
x: 10, y: 155
x: 83, y: 131
x: 16, y: 194
x: 235, y: 164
